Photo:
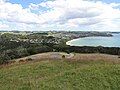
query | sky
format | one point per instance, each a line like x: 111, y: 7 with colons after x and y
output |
x: 66, y: 15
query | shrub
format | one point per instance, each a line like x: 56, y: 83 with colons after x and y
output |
x: 29, y: 59
x: 63, y: 56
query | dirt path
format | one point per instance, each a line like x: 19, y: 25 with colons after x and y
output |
x: 48, y: 55
x: 71, y: 56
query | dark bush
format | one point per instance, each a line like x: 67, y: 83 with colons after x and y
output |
x: 63, y: 56
x: 29, y: 59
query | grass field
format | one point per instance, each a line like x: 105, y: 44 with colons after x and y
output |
x: 61, y: 75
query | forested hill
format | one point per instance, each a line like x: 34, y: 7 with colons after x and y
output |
x: 20, y: 44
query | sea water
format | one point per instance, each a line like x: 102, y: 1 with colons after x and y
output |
x: 113, y: 41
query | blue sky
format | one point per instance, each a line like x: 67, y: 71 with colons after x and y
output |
x: 25, y: 3
x: 110, y: 1
x: 93, y: 15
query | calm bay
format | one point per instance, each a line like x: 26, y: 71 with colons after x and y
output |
x: 113, y: 41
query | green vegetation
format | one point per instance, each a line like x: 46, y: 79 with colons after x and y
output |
x: 61, y: 75
x: 20, y: 44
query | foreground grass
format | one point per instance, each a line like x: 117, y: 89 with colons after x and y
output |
x: 61, y: 75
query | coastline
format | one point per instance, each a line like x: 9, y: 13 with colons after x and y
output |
x: 69, y: 42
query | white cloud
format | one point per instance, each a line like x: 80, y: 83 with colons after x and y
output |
x: 63, y: 14
x: 3, y: 26
x: 79, y: 13
x: 115, y: 4
x: 33, y: 6
x: 16, y: 13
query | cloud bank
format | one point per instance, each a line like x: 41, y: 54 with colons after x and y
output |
x: 60, y: 15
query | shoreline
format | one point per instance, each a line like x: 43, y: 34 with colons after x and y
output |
x: 70, y: 44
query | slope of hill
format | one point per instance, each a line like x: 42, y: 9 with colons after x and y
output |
x: 61, y: 75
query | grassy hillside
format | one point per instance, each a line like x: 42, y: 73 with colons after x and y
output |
x: 61, y: 75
